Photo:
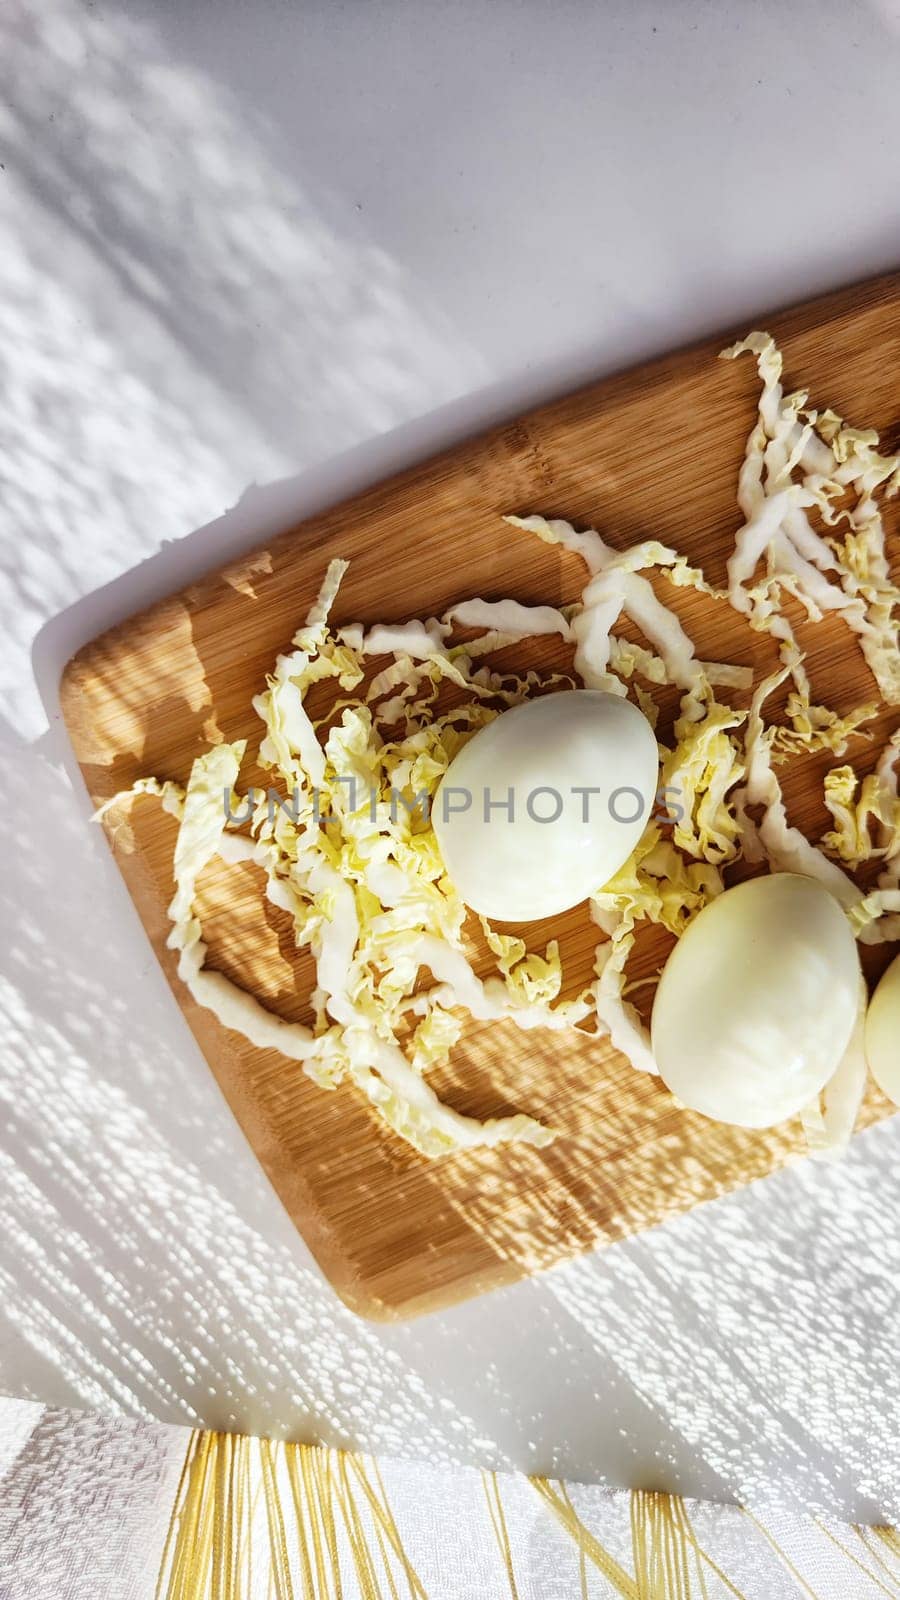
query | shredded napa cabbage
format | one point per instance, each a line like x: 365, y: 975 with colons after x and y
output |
x: 829, y: 1121
x: 889, y: 830
x: 796, y: 463
x: 866, y: 816
x: 655, y: 885
x: 705, y: 763
x: 351, y: 856
x: 361, y: 876
x: 854, y: 804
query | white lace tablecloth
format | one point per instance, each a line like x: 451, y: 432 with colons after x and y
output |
x: 297, y: 247
x: 107, y: 1509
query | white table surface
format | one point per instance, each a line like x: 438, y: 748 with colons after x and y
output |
x: 296, y: 247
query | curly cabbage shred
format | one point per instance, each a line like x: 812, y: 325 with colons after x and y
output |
x: 853, y: 805
x: 866, y: 816
x: 829, y: 1120
x: 655, y: 885
x: 797, y: 462
x: 363, y: 880
x: 355, y: 864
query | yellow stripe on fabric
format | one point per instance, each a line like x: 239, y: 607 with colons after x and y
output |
x: 322, y: 1476
x: 191, y: 1530
x: 301, y: 1517
x: 872, y: 1576
x: 782, y: 1555
x: 638, y: 1540
x: 325, y: 1588
x: 679, y: 1548
x: 384, y: 1517
x: 679, y: 1512
x: 366, y: 1573
x: 281, y: 1567
x: 200, y: 1551
x: 385, y: 1559
x: 307, y: 1493
x: 221, y: 1522
x: 498, y: 1522
x: 252, y: 1495
x: 605, y: 1563
x: 582, y: 1558
x: 703, y: 1553
x: 176, y: 1513
x: 889, y: 1538
x: 864, y: 1535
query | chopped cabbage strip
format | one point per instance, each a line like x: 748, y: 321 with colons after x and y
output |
x: 829, y: 1121
x: 238, y: 1010
x: 702, y: 770
x: 818, y: 727
x: 235, y: 847
x: 879, y: 915
x: 876, y: 919
x: 509, y: 618
x: 522, y: 995
x: 618, y: 1016
x: 504, y: 620
x: 723, y: 674
x: 784, y: 846
x: 787, y: 849
x: 586, y: 544
x: 291, y: 745
x: 616, y: 587
x: 171, y: 794
x: 598, y: 556
x: 656, y: 884
x: 706, y: 763
x: 889, y: 831
x: 867, y: 826
x: 406, y: 1102
x: 203, y: 820
x: 775, y: 502
x: 854, y: 806
x: 665, y: 633
x: 627, y: 658
x: 200, y: 837
x: 418, y: 640
x: 311, y: 635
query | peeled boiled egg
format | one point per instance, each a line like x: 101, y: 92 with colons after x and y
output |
x: 546, y: 803
x: 757, y: 1001
x: 883, y: 1033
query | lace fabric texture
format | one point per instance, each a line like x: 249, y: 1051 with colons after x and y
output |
x: 124, y: 1510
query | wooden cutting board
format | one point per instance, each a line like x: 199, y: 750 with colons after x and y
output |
x: 655, y: 451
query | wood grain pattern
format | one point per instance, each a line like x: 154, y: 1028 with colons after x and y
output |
x: 655, y: 452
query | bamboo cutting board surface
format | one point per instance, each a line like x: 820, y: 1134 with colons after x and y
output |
x: 653, y: 452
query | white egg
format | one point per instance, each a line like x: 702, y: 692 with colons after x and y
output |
x: 546, y: 803
x: 757, y: 1001
x: 883, y: 1033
